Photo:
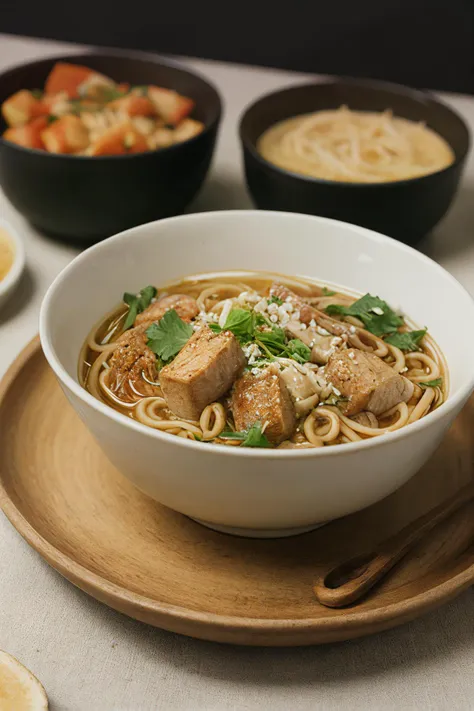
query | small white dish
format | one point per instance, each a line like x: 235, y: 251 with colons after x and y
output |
x: 13, y: 276
x: 259, y: 492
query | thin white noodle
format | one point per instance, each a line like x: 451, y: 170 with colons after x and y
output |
x: 355, y: 146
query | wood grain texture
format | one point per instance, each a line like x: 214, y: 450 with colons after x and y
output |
x: 155, y: 565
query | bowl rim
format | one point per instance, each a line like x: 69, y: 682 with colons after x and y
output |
x: 420, y: 95
x: 71, y: 384
x: 19, y: 258
x: 117, y: 54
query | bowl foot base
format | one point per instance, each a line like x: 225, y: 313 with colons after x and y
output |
x: 259, y: 532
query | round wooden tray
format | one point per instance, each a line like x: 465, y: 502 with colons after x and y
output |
x: 153, y: 564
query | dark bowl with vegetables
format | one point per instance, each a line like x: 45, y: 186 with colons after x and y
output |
x: 84, y: 198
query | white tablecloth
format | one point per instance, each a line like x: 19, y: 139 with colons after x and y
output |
x: 91, y: 658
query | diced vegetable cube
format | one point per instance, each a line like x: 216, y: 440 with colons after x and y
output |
x: 20, y: 108
x: 172, y: 107
x: 66, y: 135
x: 119, y: 140
x: 29, y: 135
x: 66, y: 77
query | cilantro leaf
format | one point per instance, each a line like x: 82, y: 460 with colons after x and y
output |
x: 242, y: 324
x: 299, y: 350
x: 169, y: 335
x: 37, y: 94
x: 328, y: 292
x: 273, y: 341
x: 51, y: 119
x: 275, y: 300
x: 375, y: 314
x: 431, y: 383
x: 408, y: 341
x: 253, y: 437
x: 137, y: 303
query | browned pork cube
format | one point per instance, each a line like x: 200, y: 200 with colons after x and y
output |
x: 185, y: 306
x: 264, y: 398
x: 133, y: 366
x: 202, y: 372
x: 367, y: 382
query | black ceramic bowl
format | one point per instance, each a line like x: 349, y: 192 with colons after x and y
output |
x: 405, y: 209
x: 87, y: 198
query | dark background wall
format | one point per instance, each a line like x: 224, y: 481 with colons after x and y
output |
x: 423, y: 43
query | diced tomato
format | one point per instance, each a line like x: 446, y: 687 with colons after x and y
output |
x: 66, y: 135
x: 172, y: 107
x: 66, y: 77
x: 134, y: 105
x: 29, y: 135
x: 20, y: 108
x: 119, y: 140
x: 123, y: 87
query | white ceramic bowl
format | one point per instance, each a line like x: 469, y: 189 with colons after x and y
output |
x: 248, y: 491
x: 9, y: 282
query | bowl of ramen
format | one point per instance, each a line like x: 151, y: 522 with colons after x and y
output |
x: 93, y: 144
x: 12, y: 260
x: 265, y: 389
x: 377, y: 155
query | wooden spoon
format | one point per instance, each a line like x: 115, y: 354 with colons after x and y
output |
x: 349, y: 581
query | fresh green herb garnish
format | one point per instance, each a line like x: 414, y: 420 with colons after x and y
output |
x: 273, y: 341
x: 51, y: 119
x: 197, y: 437
x: 245, y: 325
x: 240, y: 322
x: 431, y: 383
x: 408, y: 341
x: 375, y: 314
x: 275, y: 300
x: 37, y: 94
x: 109, y: 93
x: 169, y: 335
x: 328, y: 292
x: 137, y: 303
x: 299, y: 350
x: 253, y: 437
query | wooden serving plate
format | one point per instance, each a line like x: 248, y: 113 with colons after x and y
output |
x: 153, y: 564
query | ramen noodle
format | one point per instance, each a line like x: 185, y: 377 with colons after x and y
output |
x: 262, y: 361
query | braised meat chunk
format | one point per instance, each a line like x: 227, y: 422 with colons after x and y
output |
x: 202, y: 372
x: 264, y: 398
x: 185, y: 306
x: 133, y: 366
x: 367, y: 382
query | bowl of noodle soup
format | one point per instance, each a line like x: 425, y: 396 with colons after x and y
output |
x: 375, y: 154
x: 334, y: 455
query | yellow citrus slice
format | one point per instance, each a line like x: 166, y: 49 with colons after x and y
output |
x: 19, y: 689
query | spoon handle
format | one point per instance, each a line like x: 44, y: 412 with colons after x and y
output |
x: 350, y: 580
